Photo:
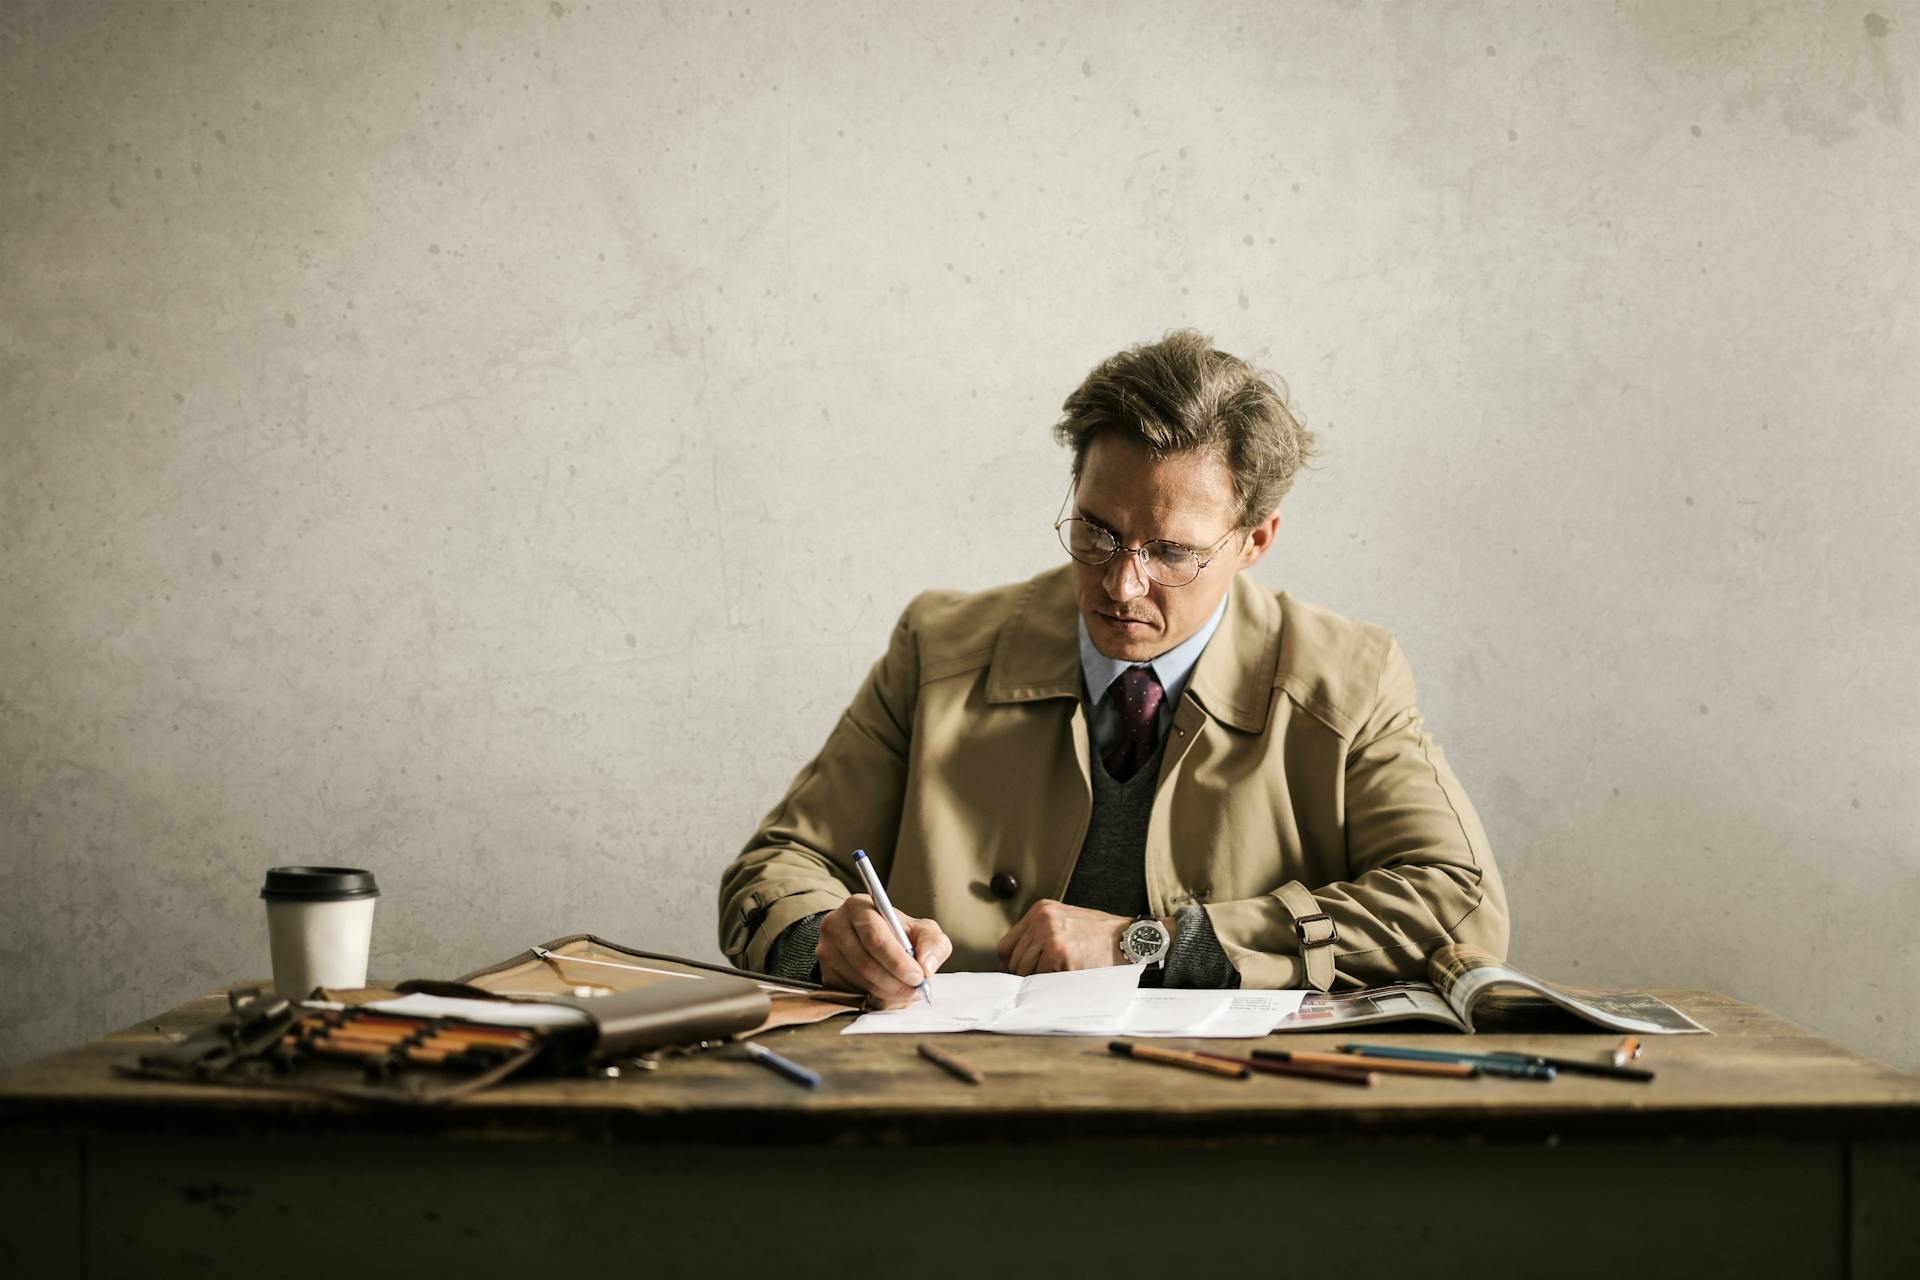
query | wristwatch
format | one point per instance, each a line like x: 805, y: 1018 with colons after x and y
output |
x: 1145, y: 941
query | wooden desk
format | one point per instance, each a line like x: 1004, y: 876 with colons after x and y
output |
x: 1760, y: 1151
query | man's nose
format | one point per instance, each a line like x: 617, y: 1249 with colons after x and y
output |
x: 1126, y: 577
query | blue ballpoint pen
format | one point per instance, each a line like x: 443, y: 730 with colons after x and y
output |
x: 879, y: 895
x: 785, y: 1066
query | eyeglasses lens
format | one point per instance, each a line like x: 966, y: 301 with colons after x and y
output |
x: 1166, y: 563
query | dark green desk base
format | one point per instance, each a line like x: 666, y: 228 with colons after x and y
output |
x: 174, y: 1204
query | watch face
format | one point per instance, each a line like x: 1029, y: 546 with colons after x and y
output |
x: 1143, y: 939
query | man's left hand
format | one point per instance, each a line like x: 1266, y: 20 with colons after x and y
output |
x: 1053, y: 936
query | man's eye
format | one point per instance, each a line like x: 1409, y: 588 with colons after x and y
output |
x: 1173, y: 555
x: 1088, y: 537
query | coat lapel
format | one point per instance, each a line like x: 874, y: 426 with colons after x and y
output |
x: 1038, y: 652
x: 1233, y: 681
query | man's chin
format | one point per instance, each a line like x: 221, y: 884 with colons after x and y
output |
x: 1123, y: 642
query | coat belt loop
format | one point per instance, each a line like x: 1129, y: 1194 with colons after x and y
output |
x: 1314, y: 929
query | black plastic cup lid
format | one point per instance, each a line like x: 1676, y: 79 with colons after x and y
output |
x: 319, y: 884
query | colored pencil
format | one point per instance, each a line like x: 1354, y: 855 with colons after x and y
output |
x: 1347, y: 1074
x: 1178, y: 1058
x: 1455, y: 1070
x: 950, y: 1064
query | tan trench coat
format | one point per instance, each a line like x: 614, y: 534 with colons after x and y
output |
x: 1300, y: 800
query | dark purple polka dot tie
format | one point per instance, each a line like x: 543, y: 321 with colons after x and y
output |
x: 1140, y: 695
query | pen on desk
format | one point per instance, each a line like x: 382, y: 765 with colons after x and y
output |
x: 1626, y: 1051
x: 1179, y: 1058
x: 950, y: 1064
x: 1348, y: 1072
x: 1457, y: 1070
x: 878, y: 893
x: 785, y: 1066
x: 1579, y: 1066
x: 1488, y: 1063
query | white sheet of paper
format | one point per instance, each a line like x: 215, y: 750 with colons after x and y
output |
x: 1086, y: 1002
x: 500, y: 1013
x: 1222, y: 1015
x: 1003, y: 1002
x: 1153, y: 1012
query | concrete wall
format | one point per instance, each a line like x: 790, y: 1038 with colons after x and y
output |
x: 488, y: 443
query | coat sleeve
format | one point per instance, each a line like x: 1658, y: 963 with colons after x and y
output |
x: 848, y: 797
x: 1420, y: 873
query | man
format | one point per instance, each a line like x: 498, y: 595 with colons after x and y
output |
x: 1139, y: 757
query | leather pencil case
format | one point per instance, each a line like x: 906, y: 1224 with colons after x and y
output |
x: 364, y: 1052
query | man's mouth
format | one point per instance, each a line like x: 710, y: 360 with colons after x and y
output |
x: 1125, y: 620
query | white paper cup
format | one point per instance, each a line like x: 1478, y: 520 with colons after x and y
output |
x: 319, y: 926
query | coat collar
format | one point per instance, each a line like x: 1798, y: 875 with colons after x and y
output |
x: 1037, y: 654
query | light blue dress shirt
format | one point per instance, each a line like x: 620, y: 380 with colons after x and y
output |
x: 1173, y: 669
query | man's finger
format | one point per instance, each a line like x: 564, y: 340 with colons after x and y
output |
x: 1026, y: 956
x: 884, y: 947
x: 930, y: 944
x: 1006, y: 946
x: 853, y: 957
x: 838, y: 924
x: 1010, y: 947
x: 863, y: 973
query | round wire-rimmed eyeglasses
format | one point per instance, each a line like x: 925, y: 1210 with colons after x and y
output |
x: 1171, y: 564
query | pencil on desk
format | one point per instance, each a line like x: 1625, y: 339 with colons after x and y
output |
x: 950, y: 1064
x: 1178, y: 1058
x: 1341, y: 1074
x: 1454, y: 1070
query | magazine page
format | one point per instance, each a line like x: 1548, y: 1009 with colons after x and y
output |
x: 1463, y: 975
x: 1402, y: 1001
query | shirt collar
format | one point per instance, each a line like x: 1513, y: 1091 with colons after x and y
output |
x: 1173, y: 668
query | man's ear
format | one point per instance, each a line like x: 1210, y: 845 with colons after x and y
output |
x: 1259, y: 541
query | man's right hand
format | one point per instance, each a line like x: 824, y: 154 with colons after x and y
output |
x: 858, y: 951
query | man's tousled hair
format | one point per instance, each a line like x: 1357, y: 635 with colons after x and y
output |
x: 1179, y: 395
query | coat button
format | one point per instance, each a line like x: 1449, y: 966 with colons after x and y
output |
x: 1003, y: 885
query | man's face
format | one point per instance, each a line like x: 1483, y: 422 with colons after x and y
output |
x: 1185, y: 498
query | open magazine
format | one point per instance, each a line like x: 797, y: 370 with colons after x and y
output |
x: 1460, y: 980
